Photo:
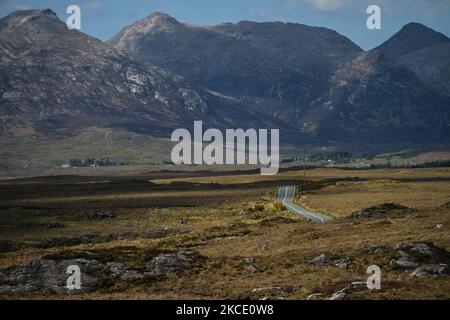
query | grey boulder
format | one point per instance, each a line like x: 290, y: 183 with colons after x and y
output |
x: 431, y: 271
x: 168, y: 264
x: 44, y: 274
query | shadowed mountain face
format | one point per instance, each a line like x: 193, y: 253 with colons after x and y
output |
x: 274, y: 67
x: 373, y: 100
x: 412, y: 37
x: 423, y: 51
x: 431, y: 65
x: 54, y: 81
x: 311, y: 78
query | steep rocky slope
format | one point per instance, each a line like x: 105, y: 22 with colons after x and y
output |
x: 311, y: 78
x: 54, y: 81
x: 423, y: 51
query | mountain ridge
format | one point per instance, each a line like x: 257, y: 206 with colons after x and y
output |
x: 401, y: 43
x: 296, y: 74
x: 54, y: 80
x: 159, y: 74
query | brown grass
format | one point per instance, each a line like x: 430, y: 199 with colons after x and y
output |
x: 249, y: 224
x: 344, y: 198
x: 319, y: 174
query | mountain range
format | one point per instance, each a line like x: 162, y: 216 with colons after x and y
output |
x: 56, y: 81
x: 159, y: 74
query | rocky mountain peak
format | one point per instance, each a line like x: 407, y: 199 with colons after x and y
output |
x: 48, y: 12
x: 156, y: 23
x: 21, y: 18
x: 307, y: 80
x: 161, y: 17
x: 412, y: 37
x: 415, y: 27
x: 420, y: 31
x: 20, y: 15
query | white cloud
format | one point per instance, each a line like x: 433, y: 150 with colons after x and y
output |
x: 322, y: 5
x: 326, y: 5
x: 427, y: 7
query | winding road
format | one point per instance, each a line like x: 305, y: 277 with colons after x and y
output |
x: 286, y: 195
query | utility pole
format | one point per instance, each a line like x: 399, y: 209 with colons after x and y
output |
x: 304, y: 169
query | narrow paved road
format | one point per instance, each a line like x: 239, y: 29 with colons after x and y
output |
x: 286, y: 195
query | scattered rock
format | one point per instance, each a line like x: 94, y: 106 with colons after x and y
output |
x: 116, y: 268
x: 405, y: 261
x: 358, y: 284
x: 339, y: 295
x: 268, y: 289
x: 132, y: 275
x: 21, y: 289
x: 168, y: 264
x: 252, y: 269
x: 355, y: 285
x: 314, y: 295
x: 121, y: 270
x: 50, y: 274
x: 381, y: 211
x: 271, y: 293
x: 97, y: 214
x: 321, y: 260
x: 343, y: 263
x: 423, y: 252
x: 431, y: 271
x: 412, y: 254
x: 374, y: 250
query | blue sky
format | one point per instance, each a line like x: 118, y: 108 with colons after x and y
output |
x: 104, y: 18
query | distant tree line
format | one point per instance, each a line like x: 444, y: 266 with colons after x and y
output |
x: 337, y: 156
x: 91, y: 162
x: 288, y: 160
x: 413, y: 165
